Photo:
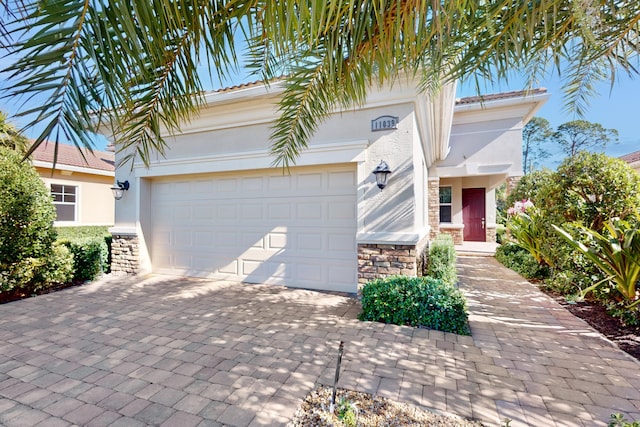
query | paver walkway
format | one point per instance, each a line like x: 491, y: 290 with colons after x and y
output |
x: 187, y: 352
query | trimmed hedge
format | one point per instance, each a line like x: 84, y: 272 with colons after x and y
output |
x: 415, y: 301
x: 442, y: 259
x: 90, y: 247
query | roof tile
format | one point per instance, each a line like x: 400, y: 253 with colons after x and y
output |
x: 70, y: 155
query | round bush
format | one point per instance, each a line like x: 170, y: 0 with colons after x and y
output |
x: 415, y: 301
x: 26, y: 223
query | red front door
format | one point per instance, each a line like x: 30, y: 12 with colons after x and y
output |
x: 473, y: 214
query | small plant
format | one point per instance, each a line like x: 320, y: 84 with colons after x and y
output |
x: 441, y: 263
x: 347, y: 413
x: 415, y: 301
x: 522, y: 223
x: 618, y: 420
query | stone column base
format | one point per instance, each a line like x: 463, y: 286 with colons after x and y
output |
x: 125, y: 258
x: 382, y: 260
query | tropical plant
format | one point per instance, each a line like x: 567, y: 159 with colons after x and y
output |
x: 616, y: 252
x: 523, y: 223
x: 133, y: 65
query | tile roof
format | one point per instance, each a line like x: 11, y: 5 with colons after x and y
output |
x: 631, y: 157
x: 69, y: 155
x: 502, y: 95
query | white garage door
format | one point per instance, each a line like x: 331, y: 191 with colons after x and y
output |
x: 259, y: 227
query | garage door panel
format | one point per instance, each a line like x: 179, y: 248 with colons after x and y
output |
x: 296, y: 230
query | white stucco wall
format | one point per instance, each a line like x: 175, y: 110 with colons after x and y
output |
x: 234, y: 135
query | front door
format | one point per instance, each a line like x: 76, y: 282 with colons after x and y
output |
x: 473, y: 211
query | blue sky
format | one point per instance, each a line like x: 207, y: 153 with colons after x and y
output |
x: 616, y: 108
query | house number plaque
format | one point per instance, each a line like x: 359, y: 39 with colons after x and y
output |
x: 384, y: 123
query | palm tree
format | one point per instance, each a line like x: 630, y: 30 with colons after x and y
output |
x: 132, y: 64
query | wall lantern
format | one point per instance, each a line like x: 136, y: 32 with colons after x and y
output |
x: 381, y: 172
x: 119, y: 189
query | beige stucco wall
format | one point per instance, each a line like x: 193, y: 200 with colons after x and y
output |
x: 95, y: 203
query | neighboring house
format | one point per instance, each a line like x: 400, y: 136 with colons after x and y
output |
x: 80, y: 183
x: 214, y: 206
x: 633, y: 159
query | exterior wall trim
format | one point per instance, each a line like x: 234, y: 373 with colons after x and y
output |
x: 337, y: 152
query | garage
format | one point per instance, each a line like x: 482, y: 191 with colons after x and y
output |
x: 261, y: 226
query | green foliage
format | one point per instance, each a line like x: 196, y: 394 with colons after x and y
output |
x: 616, y: 252
x: 526, y: 229
x: 82, y: 56
x: 581, y: 135
x: 83, y: 231
x: 415, y: 301
x: 26, y: 224
x: 521, y: 261
x: 90, y: 256
x: 534, y: 134
x: 347, y: 413
x: 441, y: 263
x: 571, y: 194
x: 618, y: 420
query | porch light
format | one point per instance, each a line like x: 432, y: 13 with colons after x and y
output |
x: 381, y: 172
x: 119, y: 189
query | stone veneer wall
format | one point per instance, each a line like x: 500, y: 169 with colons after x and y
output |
x: 433, y: 201
x: 125, y: 258
x: 456, y: 232
x: 382, y: 260
x: 512, y: 181
x: 491, y: 233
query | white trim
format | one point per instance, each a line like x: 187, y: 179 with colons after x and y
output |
x: 337, y: 152
x: 473, y: 169
x: 123, y: 230
x: 389, y: 238
x: 451, y: 226
x: 76, y: 203
x: 61, y: 167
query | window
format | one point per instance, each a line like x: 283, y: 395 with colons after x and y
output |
x: 64, y: 199
x: 445, y: 204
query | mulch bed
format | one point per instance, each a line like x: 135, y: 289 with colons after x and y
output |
x: 626, y: 337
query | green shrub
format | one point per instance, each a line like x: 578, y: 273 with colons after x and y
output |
x: 415, y: 301
x: 90, y: 257
x: 26, y: 224
x: 59, y: 266
x: 71, y: 233
x: 521, y: 261
x: 442, y: 259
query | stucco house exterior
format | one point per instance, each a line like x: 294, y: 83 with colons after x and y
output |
x: 215, y: 207
x: 633, y: 159
x: 80, y: 183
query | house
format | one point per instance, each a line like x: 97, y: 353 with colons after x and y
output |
x: 633, y: 159
x: 215, y: 207
x: 80, y: 183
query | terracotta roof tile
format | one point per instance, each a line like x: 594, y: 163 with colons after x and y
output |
x: 502, y: 95
x: 631, y: 157
x: 71, y: 156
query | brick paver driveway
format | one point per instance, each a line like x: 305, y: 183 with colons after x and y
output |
x: 187, y: 352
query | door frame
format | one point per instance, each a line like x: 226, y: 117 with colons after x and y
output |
x: 476, y: 194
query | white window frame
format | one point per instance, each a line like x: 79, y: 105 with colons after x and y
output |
x: 74, y: 204
x: 450, y: 204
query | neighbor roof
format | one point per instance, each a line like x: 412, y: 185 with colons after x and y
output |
x: 502, y: 95
x: 631, y: 157
x: 69, y: 155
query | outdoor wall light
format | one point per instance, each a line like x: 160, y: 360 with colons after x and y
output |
x: 381, y: 172
x: 119, y: 189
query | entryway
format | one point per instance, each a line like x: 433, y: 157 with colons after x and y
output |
x: 473, y: 214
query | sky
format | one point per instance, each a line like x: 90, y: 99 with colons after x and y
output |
x: 616, y: 107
